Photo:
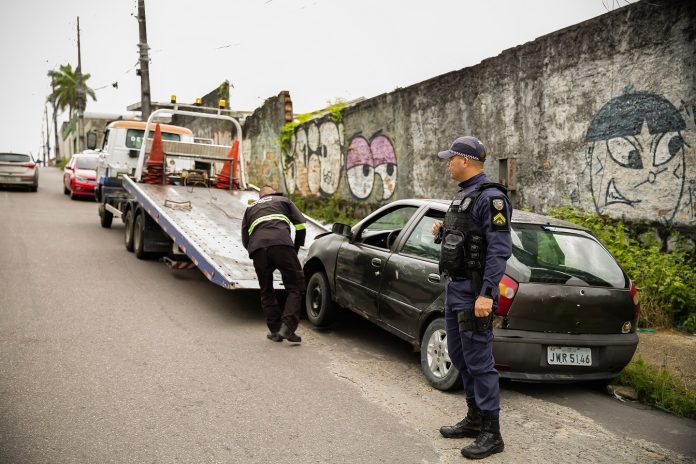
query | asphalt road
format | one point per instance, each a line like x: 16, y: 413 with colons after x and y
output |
x: 106, y: 358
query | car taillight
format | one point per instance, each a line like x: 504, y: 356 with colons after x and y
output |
x: 636, y: 302
x: 29, y: 165
x: 508, y: 290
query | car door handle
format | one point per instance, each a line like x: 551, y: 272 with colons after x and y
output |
x: 434, y: 278
x: 376, y: 262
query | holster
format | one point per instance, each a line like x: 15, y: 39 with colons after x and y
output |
x: 468, y: 322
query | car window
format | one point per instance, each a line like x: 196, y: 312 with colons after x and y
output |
x: 15, y: 157
x: 421, y: 242
x: 381, y: 231
x: 134, y: 137
x: 562, y: 256
x: 87, y: 163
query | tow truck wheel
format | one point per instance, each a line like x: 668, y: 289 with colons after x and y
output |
x: 139, y: 236
x: 128, y: 222
x: 321, y: 310
x: 435, y: 361
x: 106, y: 217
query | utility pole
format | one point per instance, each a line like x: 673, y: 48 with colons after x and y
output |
x: 81, y: 96
x: 47, y: 152
x: 144, y: 63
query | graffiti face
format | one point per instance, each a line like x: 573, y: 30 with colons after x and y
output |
x: 636, y: 157
x: 367, y: 159
x: 316, y: 162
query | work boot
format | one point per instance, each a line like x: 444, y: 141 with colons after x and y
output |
x: 287, y: 334
x: 489, y: 440
x: 470, y: 426
x: 274, y: 336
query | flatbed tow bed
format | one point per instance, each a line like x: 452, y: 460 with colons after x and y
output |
x: 206, y: 223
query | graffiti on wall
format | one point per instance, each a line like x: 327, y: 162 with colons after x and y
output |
x: 636, y: 158
x: 369, y: 159
x: 314, y: 166
x: 317, y: 162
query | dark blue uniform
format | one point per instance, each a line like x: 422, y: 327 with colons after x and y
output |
x: 471, y: 351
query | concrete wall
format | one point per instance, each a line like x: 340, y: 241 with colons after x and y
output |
x: 599, y: 115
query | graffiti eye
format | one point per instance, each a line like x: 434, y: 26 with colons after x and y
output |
x: 625, y: 153
x: 387, y: 171
x: 361, y: 177
x: 667, y: 147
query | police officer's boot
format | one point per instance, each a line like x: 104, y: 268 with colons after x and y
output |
x: 488, y: 442
x: 470, y: 426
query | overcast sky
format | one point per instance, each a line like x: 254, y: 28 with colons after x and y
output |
x: 319, y: 50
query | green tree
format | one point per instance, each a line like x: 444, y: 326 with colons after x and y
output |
x: 69, y: 89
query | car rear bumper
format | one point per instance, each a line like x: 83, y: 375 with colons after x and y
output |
x: 522, y: 355
x: 19, y: 180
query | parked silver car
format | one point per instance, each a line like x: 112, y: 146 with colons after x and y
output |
x: 19, y: 169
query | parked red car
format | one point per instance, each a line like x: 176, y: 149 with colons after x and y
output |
x: 80, y: 176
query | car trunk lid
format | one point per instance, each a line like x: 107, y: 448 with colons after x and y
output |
x: 570, y: 309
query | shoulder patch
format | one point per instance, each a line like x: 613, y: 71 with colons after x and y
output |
x: 499, y: 213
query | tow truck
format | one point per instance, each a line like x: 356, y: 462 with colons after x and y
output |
x: 171, y: 209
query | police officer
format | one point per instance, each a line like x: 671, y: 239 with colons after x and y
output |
x: 476, y: 244
x: 266, y: 235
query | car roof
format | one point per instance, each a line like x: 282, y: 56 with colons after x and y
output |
x: 518, y: 216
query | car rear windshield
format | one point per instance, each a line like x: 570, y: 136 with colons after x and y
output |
x: 87, y: 163
x: 15, y: 157
x: 556, y: 255
x: 134, y: 137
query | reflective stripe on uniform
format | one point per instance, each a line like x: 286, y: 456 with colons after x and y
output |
x: 270, y: 217
x: 300, y: 227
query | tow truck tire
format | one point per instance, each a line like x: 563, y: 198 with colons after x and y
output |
x: 435, y: 362
x: 139, y: 236
x: 106, y: 217
x: 320, y: 308
x: 128, y: 235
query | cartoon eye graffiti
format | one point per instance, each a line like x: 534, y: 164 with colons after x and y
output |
x: 625, y: 152
x: 666, y: 147
x: 360, y: 168
x: 385, y: 163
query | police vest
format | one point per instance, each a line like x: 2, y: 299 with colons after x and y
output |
x: 463, y: 249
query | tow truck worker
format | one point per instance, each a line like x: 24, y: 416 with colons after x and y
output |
x: 266, y: 234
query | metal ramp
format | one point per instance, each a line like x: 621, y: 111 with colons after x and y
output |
x: 206, y: 224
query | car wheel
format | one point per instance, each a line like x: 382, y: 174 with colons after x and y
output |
x: 34, y: 188
x: 139, y: 236
x: 106, y: 217
x: 321, y: 310
x: 128, y: 221
x: 66, y: 191
x: 72, y: 196
x: 435, y: 361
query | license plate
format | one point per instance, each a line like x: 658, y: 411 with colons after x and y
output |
x: 569, y: 356
x: 7, y: 179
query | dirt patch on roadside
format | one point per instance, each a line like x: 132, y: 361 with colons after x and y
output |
x: 673, y: 350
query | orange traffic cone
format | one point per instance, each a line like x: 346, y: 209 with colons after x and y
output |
x: 155, y: 171
x: 223, y: 179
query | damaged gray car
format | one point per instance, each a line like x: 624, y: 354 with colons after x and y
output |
x: 567, y: 311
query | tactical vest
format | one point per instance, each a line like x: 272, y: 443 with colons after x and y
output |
x: 463, y: 249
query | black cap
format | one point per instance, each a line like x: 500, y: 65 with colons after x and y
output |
x: 468, y: 146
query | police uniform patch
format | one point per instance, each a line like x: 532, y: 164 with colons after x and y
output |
x: 499, y: 214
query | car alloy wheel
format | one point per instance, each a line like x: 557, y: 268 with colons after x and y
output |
x: 435, y: 361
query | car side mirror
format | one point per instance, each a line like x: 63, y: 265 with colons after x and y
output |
x: 68, y: 168
x: 342, y: 229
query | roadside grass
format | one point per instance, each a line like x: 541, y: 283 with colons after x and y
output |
x: 657, y: 387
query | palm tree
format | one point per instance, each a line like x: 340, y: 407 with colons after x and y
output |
x: 68, y: 90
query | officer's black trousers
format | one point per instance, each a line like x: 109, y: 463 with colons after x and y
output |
x: 283, y: 258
